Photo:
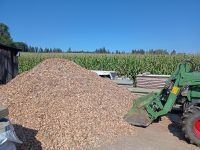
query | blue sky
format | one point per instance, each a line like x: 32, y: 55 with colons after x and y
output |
x: 114, y: 24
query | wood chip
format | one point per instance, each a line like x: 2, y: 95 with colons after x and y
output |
x: 60, y: 105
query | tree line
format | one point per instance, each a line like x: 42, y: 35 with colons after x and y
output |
x: 6, y: 39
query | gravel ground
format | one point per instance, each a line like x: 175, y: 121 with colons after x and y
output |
x: 60, y: 105
x: 164, y: 135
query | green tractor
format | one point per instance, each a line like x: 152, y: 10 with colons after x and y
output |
x: 183, y: 88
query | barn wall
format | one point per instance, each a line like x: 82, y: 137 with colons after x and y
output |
x: 15, y: 66
x: 2, y: 67
x: 8, y: 66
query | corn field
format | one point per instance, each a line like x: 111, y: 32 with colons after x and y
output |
x: 125, y: 65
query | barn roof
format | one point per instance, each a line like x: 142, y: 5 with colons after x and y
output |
x: 5, y: 47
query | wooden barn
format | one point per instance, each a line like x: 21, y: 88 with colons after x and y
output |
x: 8, y: 63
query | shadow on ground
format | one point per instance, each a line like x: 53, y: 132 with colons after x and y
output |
x: 175, y: 127
x: 27, y: 136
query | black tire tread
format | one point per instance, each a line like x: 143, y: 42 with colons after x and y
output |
x: 187, y: 119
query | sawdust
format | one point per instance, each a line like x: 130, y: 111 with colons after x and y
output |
x: 60, y: 105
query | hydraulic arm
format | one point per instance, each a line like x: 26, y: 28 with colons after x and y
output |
x: 150, y: 107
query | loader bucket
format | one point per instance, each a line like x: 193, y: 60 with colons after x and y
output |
x: 138, y: 115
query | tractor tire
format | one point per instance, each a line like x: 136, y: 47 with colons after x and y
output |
x: 191, y: 124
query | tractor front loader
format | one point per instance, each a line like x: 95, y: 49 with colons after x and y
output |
x: 183, y: 87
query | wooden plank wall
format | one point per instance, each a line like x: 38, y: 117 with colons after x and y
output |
x: 151, y: 81
x: 2, y: 67
x: 15, y: 65
x: 8, y: 66
x: 145, y: 84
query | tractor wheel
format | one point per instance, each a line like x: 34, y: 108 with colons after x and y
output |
x: 191, y: 124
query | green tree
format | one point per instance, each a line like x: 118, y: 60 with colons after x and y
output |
x: 102, y: 50
x: 139, y: 51
x: 5, y: 37
x: 158, y: 51
x: 69, y: 50
x: 21, y: 45
x: 173, y: 52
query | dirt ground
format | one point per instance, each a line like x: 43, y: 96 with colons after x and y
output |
x: 164, y: 135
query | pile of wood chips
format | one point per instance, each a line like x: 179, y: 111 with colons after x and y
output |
x: 60, y: 105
